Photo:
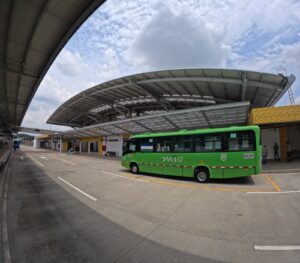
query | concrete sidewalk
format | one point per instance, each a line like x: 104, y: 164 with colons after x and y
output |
x: 281, y: 167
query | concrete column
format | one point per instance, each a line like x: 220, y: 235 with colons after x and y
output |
x: 60, y: 143
x: 80, y: 147
x: 89, y: 147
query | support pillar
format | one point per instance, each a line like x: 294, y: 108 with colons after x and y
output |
x: 60, y: 143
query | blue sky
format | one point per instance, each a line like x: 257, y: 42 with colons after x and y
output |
x: 125, y: 37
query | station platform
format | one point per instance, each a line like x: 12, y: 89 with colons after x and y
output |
x: 272, y: 167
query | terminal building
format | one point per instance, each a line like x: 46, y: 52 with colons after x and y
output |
x: 105, y: 116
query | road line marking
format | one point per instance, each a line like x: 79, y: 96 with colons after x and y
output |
x: 115, y: 174
x: 77, y: 189
x: 65, y: 161
x: 281, y: 192
x: 172, y: 184
x: 273, y: 183
x: 36, y: 161
x: 43, y: 157
x: 6, y: 251
x: 127, y: 177
x: 277, y: 247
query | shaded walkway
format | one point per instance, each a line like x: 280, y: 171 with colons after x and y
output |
x: 281, y: 167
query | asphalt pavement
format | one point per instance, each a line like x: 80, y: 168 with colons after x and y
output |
x: 63, y: 208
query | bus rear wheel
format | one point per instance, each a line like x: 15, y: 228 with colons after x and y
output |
x: 134, y: 168
x: 202, y: 175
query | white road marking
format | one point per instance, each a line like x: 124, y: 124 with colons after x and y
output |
x: 107, y: 162
x: 65, y: 161
x: 22, y: 158
x: 43, y: 157
x: 276, y: 248
x: 36, y: 161
x: 115, y: 174
x: 6, y: 251
x: 283, y: 192
x: 136, y: 179
x: 77, y: 189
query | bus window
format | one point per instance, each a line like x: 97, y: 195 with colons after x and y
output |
x: 147, y: 145
x: 208, y: 142
x: 183, y: 144
x: 247, y: 141
x: 233, y: 141
x: 239, y: 141
x: 164, y: 144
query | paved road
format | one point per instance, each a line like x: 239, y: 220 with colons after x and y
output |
x: 73, y: 209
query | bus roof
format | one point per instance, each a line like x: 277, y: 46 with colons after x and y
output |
x: 198, y: 131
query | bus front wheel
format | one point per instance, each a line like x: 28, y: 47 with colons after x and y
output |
x: 134, y: 168
x: 202, y: 175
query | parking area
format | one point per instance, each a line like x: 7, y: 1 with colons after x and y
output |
x: 116, y: 216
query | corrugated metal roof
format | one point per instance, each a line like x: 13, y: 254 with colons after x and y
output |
x: 168, y: 90
x: 193, y: 118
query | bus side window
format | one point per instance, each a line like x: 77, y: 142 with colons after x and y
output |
x: 183, y: 144
x: 164, y: 144
x: 239, y: 141
x: 147, y: 145
x: 208, y: 142
x: 247, y: 141
x: 232, y: 141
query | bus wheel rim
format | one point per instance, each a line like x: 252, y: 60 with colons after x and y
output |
x: 202, y: 176
x: 134, y: 168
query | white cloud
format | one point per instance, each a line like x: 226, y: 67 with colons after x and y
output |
x: 69, y: 75
x: 48, y: 98
x: 286, y: 57
x: 173, y: 41
x: 70, y: 63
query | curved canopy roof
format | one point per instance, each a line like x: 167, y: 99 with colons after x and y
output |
x: 31, y: 35
x: 228, y: 114
x: 169, y: 90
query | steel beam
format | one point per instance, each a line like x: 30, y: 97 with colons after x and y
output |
x: 144, y: 126
x: 244, y: 88
x: 159, y: 99
x: 170, y: 122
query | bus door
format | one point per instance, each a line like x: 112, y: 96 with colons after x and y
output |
x: 208, y: 148
x: 156, y: 164
x: 167, y: 159
x: 145, y: 155
x: 240, y: 147
x: 171, y: 166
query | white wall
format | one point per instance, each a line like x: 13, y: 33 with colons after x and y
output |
x: 114, y: 146
x: 268, y: 138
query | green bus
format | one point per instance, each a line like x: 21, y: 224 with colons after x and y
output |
x: 209, y: 153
